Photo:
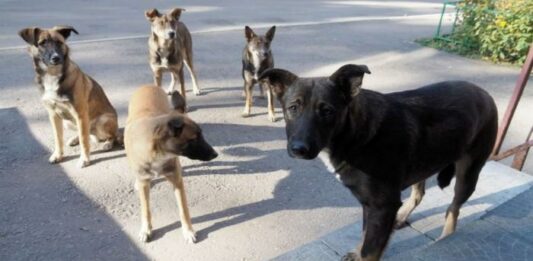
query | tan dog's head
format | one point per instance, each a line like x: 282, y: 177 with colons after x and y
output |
x: 179, y: 135
x: 164, y: 25
x: 259, y: 45
x: 48, y: 45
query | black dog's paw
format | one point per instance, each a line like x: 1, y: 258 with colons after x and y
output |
x: 351, y: 256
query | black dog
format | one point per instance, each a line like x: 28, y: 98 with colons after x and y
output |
x: 380, y: 144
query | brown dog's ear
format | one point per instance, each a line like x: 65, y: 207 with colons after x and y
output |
x: 278, y: 80
x: 350, y: 78
x: 176, y: 13
x: 65, y: 30
x: 30, y: 35
x: 270, y: 33
x: 249, y: 33
x: 151, y: 14
x: 175, y: 126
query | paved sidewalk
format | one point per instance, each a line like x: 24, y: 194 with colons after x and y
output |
x: 253, y: 202
x: 496, y: 223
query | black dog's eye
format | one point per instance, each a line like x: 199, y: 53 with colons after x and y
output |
x: 326, y: 110
x: 293, y: 108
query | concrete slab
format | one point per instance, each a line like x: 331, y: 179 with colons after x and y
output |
x: 497, y: 184
x: 515, y: 216
x: 479, y: 241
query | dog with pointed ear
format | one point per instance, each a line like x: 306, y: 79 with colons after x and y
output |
x: 312, y: 106
x: 348, y: 79
x: 85, y: 104
x: 31, y: 34
x: 256, y: 58
x: 170, y: 48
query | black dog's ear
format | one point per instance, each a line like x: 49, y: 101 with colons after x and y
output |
x: 175, y: 126
x: 278, y: 80
x: 30, y: 35
x: 350, y: 78
x: 249, y: 33
x: 151, y: 14
x: 176, y: 13
x: 270, y: 33
x: 64, y: 30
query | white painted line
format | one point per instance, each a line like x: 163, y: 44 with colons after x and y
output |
x: 260, y: 25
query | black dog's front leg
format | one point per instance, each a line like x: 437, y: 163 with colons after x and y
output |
x: 378, y: 223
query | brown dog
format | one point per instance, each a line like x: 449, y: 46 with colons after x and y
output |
x: 170, y: 46
x: 155, y: 135
x: 69, y: 95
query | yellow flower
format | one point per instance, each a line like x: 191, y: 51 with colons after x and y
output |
x: 501, y: 23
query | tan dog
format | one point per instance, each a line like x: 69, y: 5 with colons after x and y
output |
x: 155, y: 135
x: 170, y: 46
x: 69, y: 95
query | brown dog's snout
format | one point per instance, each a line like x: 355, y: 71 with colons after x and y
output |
x: 171, y: 34
x: 55, y: 58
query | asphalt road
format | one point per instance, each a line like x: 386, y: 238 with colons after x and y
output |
x: 251, y: 203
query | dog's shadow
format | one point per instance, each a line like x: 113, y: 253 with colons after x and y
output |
x: 293, y: 192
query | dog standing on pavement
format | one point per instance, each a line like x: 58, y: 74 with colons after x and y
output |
x: 170, y: 46
x: 69, y: 95
x: 379, y: 144
x: 155, y: 135
x: 256, y: 58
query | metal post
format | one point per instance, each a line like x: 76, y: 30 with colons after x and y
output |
x: 513, y: 103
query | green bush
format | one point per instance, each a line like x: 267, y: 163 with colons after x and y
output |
x: 500, y: 30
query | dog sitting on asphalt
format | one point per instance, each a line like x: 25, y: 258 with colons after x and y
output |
x: 155, y: 135
x: 256, y: 58
x: 170, y: 46
x: 69, y: 95
x: 379, y: 144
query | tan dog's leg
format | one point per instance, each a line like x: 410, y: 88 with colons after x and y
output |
x: 179, y: 191
x: 271, y: 114
x: 190, y: 67
x: 143, y: 186
x: 57, y: 126
x: 248, y: 98
x: 82, y: 120
x: 180, y: 77
x: 158, y: 74
x: 417, y: 193
x: 172, y: 84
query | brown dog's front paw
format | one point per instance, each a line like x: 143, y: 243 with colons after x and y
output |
x: 144, y: 236
x: 272, y: 117
x: 108, y: 145
x: 351, y: 256
x: 82, y: 163
x: 55, y: 158
x: 190, y: 236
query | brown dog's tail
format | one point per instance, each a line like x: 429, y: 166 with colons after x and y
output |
x: 445, y: 176
x: 178, y: 102
x: 119, y: 138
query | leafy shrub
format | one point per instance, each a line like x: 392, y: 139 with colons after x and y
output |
x: 500, y: 30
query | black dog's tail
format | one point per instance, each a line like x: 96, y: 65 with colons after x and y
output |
x: 445, y: 176
x: 178, y: 102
